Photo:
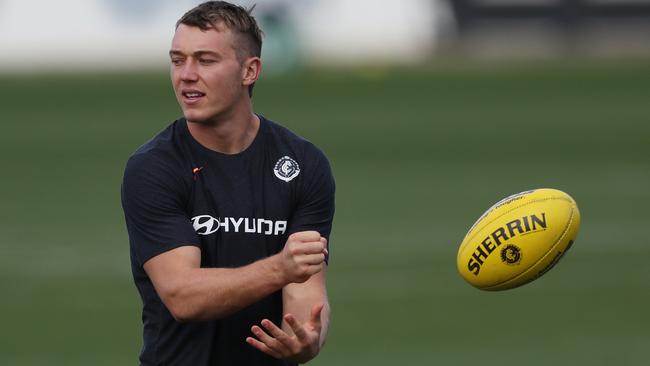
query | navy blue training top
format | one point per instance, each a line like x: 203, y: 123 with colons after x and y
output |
x: 237, y: 209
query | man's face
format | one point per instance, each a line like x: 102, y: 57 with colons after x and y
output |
x: 205, y: 72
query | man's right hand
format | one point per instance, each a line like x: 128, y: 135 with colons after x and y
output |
x: 303, y: 256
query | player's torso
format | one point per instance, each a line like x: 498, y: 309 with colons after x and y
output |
x: 241, y: 205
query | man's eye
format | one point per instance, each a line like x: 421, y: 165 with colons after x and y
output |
x: 177, y: 61
x: 206, y: 61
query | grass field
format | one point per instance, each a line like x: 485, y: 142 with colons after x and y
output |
x: 418, y: 155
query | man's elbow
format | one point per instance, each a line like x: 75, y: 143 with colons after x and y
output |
x: 181, y: 307
x: 182, y: 315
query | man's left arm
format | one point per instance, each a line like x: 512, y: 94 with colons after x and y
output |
x: 306, y: 318
x: 305, y: 323
x: 303, y: 300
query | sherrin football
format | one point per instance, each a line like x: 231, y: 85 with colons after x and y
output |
x: 518, y: 239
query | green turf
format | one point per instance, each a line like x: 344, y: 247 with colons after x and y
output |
x: 418, y: 155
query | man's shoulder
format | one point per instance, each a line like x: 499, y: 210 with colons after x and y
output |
x: 160, y: 154
x: 284, y: 135
x: 161, y: 143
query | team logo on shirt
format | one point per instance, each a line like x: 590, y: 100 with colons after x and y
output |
x: 286, y: 169
x: 206, y: 225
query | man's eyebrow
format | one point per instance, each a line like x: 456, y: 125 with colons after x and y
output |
x: 198, y: 53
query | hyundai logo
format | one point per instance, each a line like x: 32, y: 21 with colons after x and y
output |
x: 205, y: 224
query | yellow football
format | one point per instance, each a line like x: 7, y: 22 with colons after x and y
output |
x: 518, y: 239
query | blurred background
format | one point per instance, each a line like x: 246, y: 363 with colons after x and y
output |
x: 430, y: 111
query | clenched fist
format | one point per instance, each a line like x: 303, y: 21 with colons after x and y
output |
x: 303, y: 256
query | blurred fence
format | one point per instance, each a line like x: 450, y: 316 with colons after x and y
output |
x: 549, y: 28
x: 118, y: 34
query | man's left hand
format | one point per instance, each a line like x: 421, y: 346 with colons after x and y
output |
x: 300, y: 347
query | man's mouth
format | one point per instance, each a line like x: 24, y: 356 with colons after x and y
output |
x: 192, y: 95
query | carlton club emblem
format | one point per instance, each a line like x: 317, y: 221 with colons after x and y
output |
x: 286, y: 169
x: 511, y: 254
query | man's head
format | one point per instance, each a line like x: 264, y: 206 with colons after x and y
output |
x: 219, y: 15
x: 215, y: 58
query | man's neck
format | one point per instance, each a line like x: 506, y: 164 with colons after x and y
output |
x: 228, y: 136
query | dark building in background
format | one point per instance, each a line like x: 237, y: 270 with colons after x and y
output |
x: 554, y: 27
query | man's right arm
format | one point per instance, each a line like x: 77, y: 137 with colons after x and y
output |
x: 192, y: 293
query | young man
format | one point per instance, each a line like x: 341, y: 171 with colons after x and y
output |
x: 228, y: 213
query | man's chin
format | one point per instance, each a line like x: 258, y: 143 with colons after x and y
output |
x: 195, y: 117
x: 209, y: 117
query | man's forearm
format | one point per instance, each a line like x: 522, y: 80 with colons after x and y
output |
x: 299, y: 300
x: 192, y: 293
x: 325, y: 319
x: 213, y: 293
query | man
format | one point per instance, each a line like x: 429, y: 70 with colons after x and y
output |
x: 228, y: 213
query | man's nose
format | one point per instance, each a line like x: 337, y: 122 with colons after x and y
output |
x: 189, y: 71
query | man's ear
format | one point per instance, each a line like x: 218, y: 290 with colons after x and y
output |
x: 251, y: 70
